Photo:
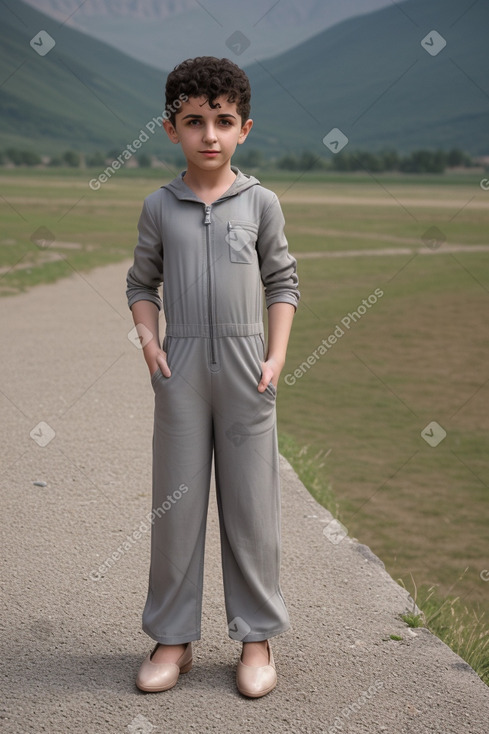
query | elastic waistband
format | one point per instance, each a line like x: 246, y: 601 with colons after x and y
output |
x: 218, y: 330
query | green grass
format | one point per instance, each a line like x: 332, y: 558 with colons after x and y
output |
x: 351, y: 424
x: 413, y: 620
x: 464, y: 628
x: 312, y: 469
x: 419, y: 355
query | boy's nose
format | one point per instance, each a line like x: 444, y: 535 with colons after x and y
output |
x: 209, y: 135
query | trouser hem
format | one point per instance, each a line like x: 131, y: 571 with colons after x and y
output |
x: 173, y: 639
x: 260, y: 636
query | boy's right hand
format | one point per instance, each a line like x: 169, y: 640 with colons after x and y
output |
x: 156, y: 359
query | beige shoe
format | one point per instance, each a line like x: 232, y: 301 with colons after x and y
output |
x: 255, y: 681
x: 155, y: 677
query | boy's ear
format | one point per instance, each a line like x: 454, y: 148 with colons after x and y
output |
x: 245, y: 129
x: 170, y: 131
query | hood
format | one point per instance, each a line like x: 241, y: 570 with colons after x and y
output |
x: 179, y: 188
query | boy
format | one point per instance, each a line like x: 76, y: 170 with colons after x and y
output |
x: 212, y: 236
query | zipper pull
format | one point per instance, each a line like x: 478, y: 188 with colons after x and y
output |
x: 207, y: 219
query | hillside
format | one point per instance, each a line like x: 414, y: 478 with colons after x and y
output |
x: 82, y: 94
x: 368, y: 76
x: 371, y: 78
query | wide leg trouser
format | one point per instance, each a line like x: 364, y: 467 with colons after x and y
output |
x: 200, y: 411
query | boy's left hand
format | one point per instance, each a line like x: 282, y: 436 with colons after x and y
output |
x: 270, y: 372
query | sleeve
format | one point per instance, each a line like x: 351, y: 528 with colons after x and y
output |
x: 277, y: 266
x: 145, y: 275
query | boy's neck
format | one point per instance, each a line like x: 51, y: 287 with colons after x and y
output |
x: 209, y: 185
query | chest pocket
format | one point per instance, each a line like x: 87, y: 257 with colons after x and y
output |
x: 241, y: 238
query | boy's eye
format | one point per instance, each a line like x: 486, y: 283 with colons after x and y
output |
x: 195, y: 123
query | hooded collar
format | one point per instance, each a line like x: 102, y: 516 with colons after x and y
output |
x: 179, y: 188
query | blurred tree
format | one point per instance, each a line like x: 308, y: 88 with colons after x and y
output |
x: 309, y: 162
x: 342, y: 162
x: 457, y: 157
x: 440, y: 161
x: 288, y: 163
x: 30, y: 158
x: 14, y: 155
x: 96, y: 159
x: 251, y: 158
x: 390, y: 159
x: 71, y: 158
x: 23, y: 157
x: 144, y: 160
x: 424, y: 161
x: 363, y: 160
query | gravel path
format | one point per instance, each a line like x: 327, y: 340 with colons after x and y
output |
x: 76, y: 407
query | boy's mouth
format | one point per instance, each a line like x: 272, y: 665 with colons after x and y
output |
x: 209, y: 153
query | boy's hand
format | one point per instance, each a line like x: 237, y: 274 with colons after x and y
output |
x: 270, y: 372
x: 280, y: 317
x: 156, y: 359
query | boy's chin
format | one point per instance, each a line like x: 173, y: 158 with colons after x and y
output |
x: 211, y: 164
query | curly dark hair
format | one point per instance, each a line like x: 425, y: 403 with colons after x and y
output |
x: 207, y: 76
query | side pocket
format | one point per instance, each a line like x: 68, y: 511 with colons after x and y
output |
x: 166, y: 347
x: 158, y: 375
x: 271, y: 389
x: 241, y: 238
x: 155, y: 377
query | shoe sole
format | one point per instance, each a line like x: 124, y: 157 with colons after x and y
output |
x: 256, y: 695
x: 147, y: 689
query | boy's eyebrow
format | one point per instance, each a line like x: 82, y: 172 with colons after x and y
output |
x: 221, y: 114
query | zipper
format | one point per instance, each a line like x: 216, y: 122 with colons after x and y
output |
x: 207, y: 221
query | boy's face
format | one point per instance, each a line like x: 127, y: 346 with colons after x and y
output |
x: 208, y: 136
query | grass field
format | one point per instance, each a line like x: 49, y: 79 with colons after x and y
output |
x: 418, y: 353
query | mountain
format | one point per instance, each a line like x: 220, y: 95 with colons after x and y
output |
x: 162, y: 32
x: 83, y: 94
x: 369, y: 76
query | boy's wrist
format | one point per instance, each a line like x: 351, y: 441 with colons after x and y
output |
x: 151, y: 349
x: 278, y: 361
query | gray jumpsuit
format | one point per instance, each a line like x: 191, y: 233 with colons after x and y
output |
x: 213, y: 261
